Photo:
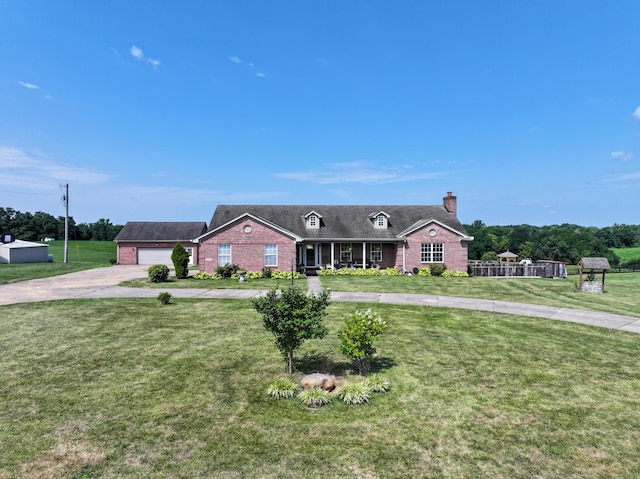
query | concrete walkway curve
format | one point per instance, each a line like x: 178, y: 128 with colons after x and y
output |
x: 103, y: 283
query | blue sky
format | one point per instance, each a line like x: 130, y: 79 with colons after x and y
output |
x: 528, y: 111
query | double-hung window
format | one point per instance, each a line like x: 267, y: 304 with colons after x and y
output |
x: 346, y: 250
x: 224, y: 254
x: 432, y: 253
x: 376, y: 252
x: 271, y: 255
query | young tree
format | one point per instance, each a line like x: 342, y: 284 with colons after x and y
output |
x: 180, y: 259
x: 292, y: 317
x: 357, y: 336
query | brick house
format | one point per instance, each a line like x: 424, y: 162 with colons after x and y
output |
x: 330, y: 236
x: 152, y: 242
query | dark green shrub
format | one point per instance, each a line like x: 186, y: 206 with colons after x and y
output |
x: 266, y: 272
x: 227, y: 270
x: 113, y: 261
x: 158, y: 273
x: 164, y: 298
x: 437, y: 269
x: 180, y: 259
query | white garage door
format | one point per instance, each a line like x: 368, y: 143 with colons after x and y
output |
x: 154, y: 255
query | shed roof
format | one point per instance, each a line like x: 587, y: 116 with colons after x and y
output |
x: 161, y: 231
x: 594, y: 263
x: 340, y: 221
x: 20, y: 244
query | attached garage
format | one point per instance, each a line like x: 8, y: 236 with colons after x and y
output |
x: 152, y: 242
x: 154, y: 255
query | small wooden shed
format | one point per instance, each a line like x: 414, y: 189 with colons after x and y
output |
x: 593, y: 265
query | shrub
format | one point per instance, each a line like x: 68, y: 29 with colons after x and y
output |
x: 266, y: 272
x: 437, y: 269
x: 377, y: 383
x: 158, y: 273
x: 424, y: 272
x: 113, y: 261
x: 392, y: 272
x: 452, y: 273
x: 227, y: 270
x: 277, y: 274
x: 314, y: 397
x: 282, y: 388
x: 203, y: 275
x: 164, y: 298
x: 180, y: 259
x: 355, y: 393
x: 357, y: 336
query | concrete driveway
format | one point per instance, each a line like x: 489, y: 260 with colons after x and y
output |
x: 103, y: 283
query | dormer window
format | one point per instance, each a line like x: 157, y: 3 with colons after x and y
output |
x: 313, y: 220
x: 380, y: 220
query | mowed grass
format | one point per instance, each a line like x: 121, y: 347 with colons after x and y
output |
x: 81, y: 255
x: 622, y: 290
x: 227, y: 283
x: 130, y: 388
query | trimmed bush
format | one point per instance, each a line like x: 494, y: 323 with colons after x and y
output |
x: 158, y: 273
x: 358, y: 335
x: 164, y: 298
x: 266, y: 272
x: 437, y: 269
x: 180, y: 259
x: 424, y: 272
x: 452, y: 273
x: 227, y: 270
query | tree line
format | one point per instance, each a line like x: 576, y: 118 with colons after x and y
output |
x: 565, y: 242
x: 40, y: 225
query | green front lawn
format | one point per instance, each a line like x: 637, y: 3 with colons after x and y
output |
x: 621, y: 296
x: 81, y: 255
x: 130, y: 388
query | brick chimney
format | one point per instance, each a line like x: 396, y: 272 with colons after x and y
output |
x: 450, y: 203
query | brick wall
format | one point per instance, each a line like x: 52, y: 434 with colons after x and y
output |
x: 455, y: 251
x: 247, y: 239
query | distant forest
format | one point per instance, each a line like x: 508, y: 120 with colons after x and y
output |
x: 564, y: 242
x: 39, y: 225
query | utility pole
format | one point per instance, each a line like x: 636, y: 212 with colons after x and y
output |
x: 65, y: 202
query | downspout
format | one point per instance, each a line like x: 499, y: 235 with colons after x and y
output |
x: 404, y: 257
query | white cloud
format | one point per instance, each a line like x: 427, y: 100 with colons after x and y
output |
x: 621, y: 155
x: 622, y: 177
x: 27, y: 170
x: 136, y: 52
x: 28, y: 85
x: 637, y: 112
x: 359, y: 172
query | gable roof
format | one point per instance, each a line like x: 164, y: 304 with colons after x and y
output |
x: 161, y: 231
x: 340, y: 222
x: 594, y: 263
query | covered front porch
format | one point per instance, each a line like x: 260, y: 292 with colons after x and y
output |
x: 338, y: 254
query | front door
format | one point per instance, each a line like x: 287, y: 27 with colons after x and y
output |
x: 312, y: 259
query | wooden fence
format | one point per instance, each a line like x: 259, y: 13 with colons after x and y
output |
x: 540, y: 269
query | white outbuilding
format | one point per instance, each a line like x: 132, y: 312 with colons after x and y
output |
x: 19, y: 251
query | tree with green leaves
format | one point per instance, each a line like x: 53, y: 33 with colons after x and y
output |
x: 292, y: 317
x: 357, y: 337
x: 180, y: 259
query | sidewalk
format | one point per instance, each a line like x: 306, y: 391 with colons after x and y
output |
x: 102, y: 283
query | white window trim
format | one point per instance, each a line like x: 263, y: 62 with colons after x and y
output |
x: 378, y: 253
x: 267, y: 255
x: 429, y: 250
x: 220, y: 255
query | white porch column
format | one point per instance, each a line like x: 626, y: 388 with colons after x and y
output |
x: 333, y: 256
x: 364, y: 255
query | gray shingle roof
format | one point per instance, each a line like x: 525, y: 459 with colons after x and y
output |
x: 161, y: 231
x: 339, y: 221
x: 594, y: 263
